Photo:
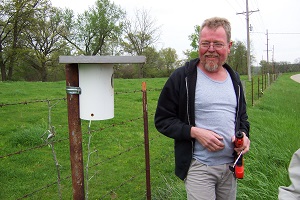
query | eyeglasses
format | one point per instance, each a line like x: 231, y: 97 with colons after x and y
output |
x: 216, y: 45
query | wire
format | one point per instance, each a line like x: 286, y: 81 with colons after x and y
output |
x: 286, y: 33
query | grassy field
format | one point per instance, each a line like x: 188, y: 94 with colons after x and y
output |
x: 116, y: 167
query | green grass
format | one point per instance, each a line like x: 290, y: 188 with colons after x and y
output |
x: 274, y: 138
x: 117, y: 168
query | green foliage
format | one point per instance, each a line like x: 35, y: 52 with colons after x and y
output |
x: 238, y: 57
x: 169, y: 56
x: 96, y: 26
x: 194, y: 38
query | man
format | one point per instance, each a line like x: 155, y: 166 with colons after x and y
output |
x: 201, y: 107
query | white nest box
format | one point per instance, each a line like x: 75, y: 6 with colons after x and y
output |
x: 96, y: 100
x: 96, y: 84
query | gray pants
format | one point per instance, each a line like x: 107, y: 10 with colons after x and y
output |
x: 210, y: 182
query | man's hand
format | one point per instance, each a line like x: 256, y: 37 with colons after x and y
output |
x: 208, y: 139
x: 246, y: 144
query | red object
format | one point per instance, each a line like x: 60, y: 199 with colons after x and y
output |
x: 239, y: 167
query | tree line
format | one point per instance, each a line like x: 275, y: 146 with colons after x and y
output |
x: 33, y: 34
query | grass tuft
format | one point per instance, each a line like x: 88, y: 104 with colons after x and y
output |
x: 27, y: 137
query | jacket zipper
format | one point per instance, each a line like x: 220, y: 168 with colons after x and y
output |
x: 187, y: 100
x: 188, y: 115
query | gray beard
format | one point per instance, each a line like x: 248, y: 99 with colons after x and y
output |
x: 211, y: 67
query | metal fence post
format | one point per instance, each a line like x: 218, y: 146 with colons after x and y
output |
x: 146, y: 138
x: 75, y: 134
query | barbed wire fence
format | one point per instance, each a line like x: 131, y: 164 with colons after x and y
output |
x: 50, y: 139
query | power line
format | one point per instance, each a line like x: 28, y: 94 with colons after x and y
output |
x: 286, y: 33
x: 279, y: 33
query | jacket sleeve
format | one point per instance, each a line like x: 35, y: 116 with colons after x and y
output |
x: 244, y: 125
x: 169, y: 117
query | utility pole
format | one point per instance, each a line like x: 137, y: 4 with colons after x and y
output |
x: 268, y: 64
x: 248, y: 38
x: 273, y: 54
x: 267, y: 51
x: 273, y: 61
x: 267, y: 47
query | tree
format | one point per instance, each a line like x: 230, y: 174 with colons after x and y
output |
x: 43, y: 40
x: 170, y: 57
x: 16, y: 16
x: 297, y: 61
x: 194, y: 38
x: 140, y: 34
x: 153, y: 64
x: 4, y: 33
x: 238, y: 57
x: 95, y: 29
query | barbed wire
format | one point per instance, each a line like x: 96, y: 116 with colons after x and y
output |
x: 60, y: 140
x: 43, y: 145
x: 132, y: 178
x: 117, y: 124
x: 31, y: 148
x: 135, y: 91
x: 65, y: 98
x: 119, y: 186
x: 105, y: 161
x: 29, y: 102
x: 119, y: 154
x: 42, y: 188
x: 139, y: 145
x: 112, y: 190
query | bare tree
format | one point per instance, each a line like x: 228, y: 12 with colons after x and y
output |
x: 140, y: 33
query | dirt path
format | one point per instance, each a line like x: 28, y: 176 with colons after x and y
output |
x: 296, y: 77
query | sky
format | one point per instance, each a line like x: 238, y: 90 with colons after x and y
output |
x: 280, y: 19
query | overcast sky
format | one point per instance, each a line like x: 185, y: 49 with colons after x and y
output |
x: 178, y: 18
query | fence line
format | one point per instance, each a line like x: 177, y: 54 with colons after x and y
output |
x: 92, y: 166
x: 60, y: 140
x: 42, y: 188
x: 64, y: 98
x: 30, y: 102
x: 258, y: 88
x: 30, y: 149
x: 64, y: 139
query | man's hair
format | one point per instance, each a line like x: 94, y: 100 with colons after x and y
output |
x: 215, y: 22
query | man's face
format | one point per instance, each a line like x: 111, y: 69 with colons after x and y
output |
x: 210, y: 57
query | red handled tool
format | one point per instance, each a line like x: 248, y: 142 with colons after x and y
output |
x: 238, y: 166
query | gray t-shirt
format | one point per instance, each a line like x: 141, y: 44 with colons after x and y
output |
x: 215, y: 110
